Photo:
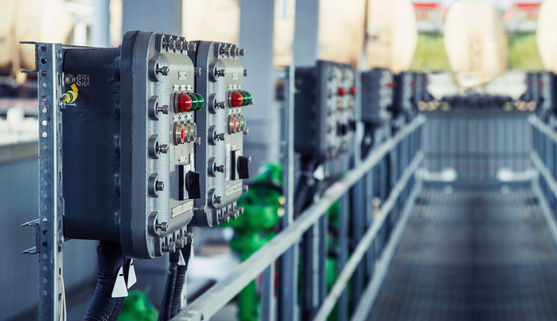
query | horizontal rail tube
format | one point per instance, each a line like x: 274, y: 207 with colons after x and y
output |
x: 221, y: 293
x: 536, y: 122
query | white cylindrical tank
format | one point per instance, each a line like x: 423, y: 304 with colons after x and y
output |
x: 392, y: 34
x: 476, y: 43
x: 547, y: 34
x: 29, y: 20
x: 215, y: 20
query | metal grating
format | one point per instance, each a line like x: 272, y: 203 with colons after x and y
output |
x: 482, y: 254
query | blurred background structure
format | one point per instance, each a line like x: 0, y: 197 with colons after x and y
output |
x: 478, y: 58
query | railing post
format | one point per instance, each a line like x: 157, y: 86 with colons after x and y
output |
x: 288, y: 267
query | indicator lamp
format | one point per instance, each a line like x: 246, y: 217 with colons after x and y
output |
x: 353, y: 91
x: 183, y: 103
x: 341, y: 91
x: 199, y: 101
x: 236, y: 99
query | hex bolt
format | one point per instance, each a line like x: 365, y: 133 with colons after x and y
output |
x: 219, y: 168
x: 162, y: 226
x: 220, y: 72
x: 217, y: 199
x: 219, y: 136
x: 162, y: 109
x: 69, y: 79
x: 197, y: 71
x: 163, y: 70
x: 162, y: 148
x: 245, y: 72
x: 242, y: 52
x: 220, y: 105
x: 159, y: 186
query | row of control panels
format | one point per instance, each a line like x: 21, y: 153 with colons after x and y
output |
x: 331, y: 99
x: 154, y: 141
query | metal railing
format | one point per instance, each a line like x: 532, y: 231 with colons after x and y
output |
x: 544, y: 158
x: 387, y: 174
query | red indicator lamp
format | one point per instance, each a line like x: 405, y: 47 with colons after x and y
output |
x: 391, y: 85
x: 236, y: 99
x: 183, y: 103
x: 353, y: 91
x: 341, y: 91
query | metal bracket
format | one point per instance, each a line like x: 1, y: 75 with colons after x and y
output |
x: 36, y: 57
x: 35, y: 224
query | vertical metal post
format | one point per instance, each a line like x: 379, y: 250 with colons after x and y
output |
x: 51, y: 207
x: 343, y: 254
x: 288, y: 267
x: 311, y: 286
x: 306, y: 35
x: 268, y: 294
x: 323, y: 227
x: 162, y: 16
x: 256, y: 37
x: 370, y: 260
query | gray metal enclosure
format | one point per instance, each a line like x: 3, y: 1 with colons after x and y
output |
x: 477, y: 143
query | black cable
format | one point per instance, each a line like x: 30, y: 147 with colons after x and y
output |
x: 109, y: 262
x: 166, y: 305
x: 120, y: 301
x: 180, y: 280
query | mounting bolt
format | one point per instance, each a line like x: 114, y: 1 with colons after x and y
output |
x: 197, y: 71
x: 162, y: 226
x: 245, y: 72
x: 162, y: 148
x: 162, y: 109
x: 217, y: 199
x: 163, y: 70
x: 219, y: 168
x: 219, y: 136
x: 159, y: 186
x: 245, y: 188
x: 220, y: 72
x: 242, y: 52
x: 171, y: 247
x: 220, y: 105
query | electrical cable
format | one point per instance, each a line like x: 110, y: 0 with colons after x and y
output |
x: 166, y: 305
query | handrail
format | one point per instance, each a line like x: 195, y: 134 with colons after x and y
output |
x: 364, y: 244
x: 221, y: 293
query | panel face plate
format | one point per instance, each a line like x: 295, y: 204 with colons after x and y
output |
x: 220, y: 156
x: 325, y: 110
x: 377, y: 96
x: 156, y: 72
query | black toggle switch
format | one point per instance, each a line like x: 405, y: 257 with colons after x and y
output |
x: 192, y: 185
x: 243, y: 166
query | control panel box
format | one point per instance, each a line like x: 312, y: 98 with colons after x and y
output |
x: 377, y: 96
x: 325, y: 116
x: 129, y: 143
x: 220, y: 156
x: 404, y: 94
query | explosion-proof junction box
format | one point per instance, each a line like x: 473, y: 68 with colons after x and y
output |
x: 129, y: 142
x: 220, y: 156
x: 325, y: 115
x: 377, y: 96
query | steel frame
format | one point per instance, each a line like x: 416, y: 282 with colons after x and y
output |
x: 51, y: 206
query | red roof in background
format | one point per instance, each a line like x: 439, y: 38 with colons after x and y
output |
x: 527, y: 5
x: 427, y: 5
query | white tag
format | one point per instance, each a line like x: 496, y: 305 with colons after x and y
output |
x: 181, y: 260
x: 132, y: 278
x: 120, y: 290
